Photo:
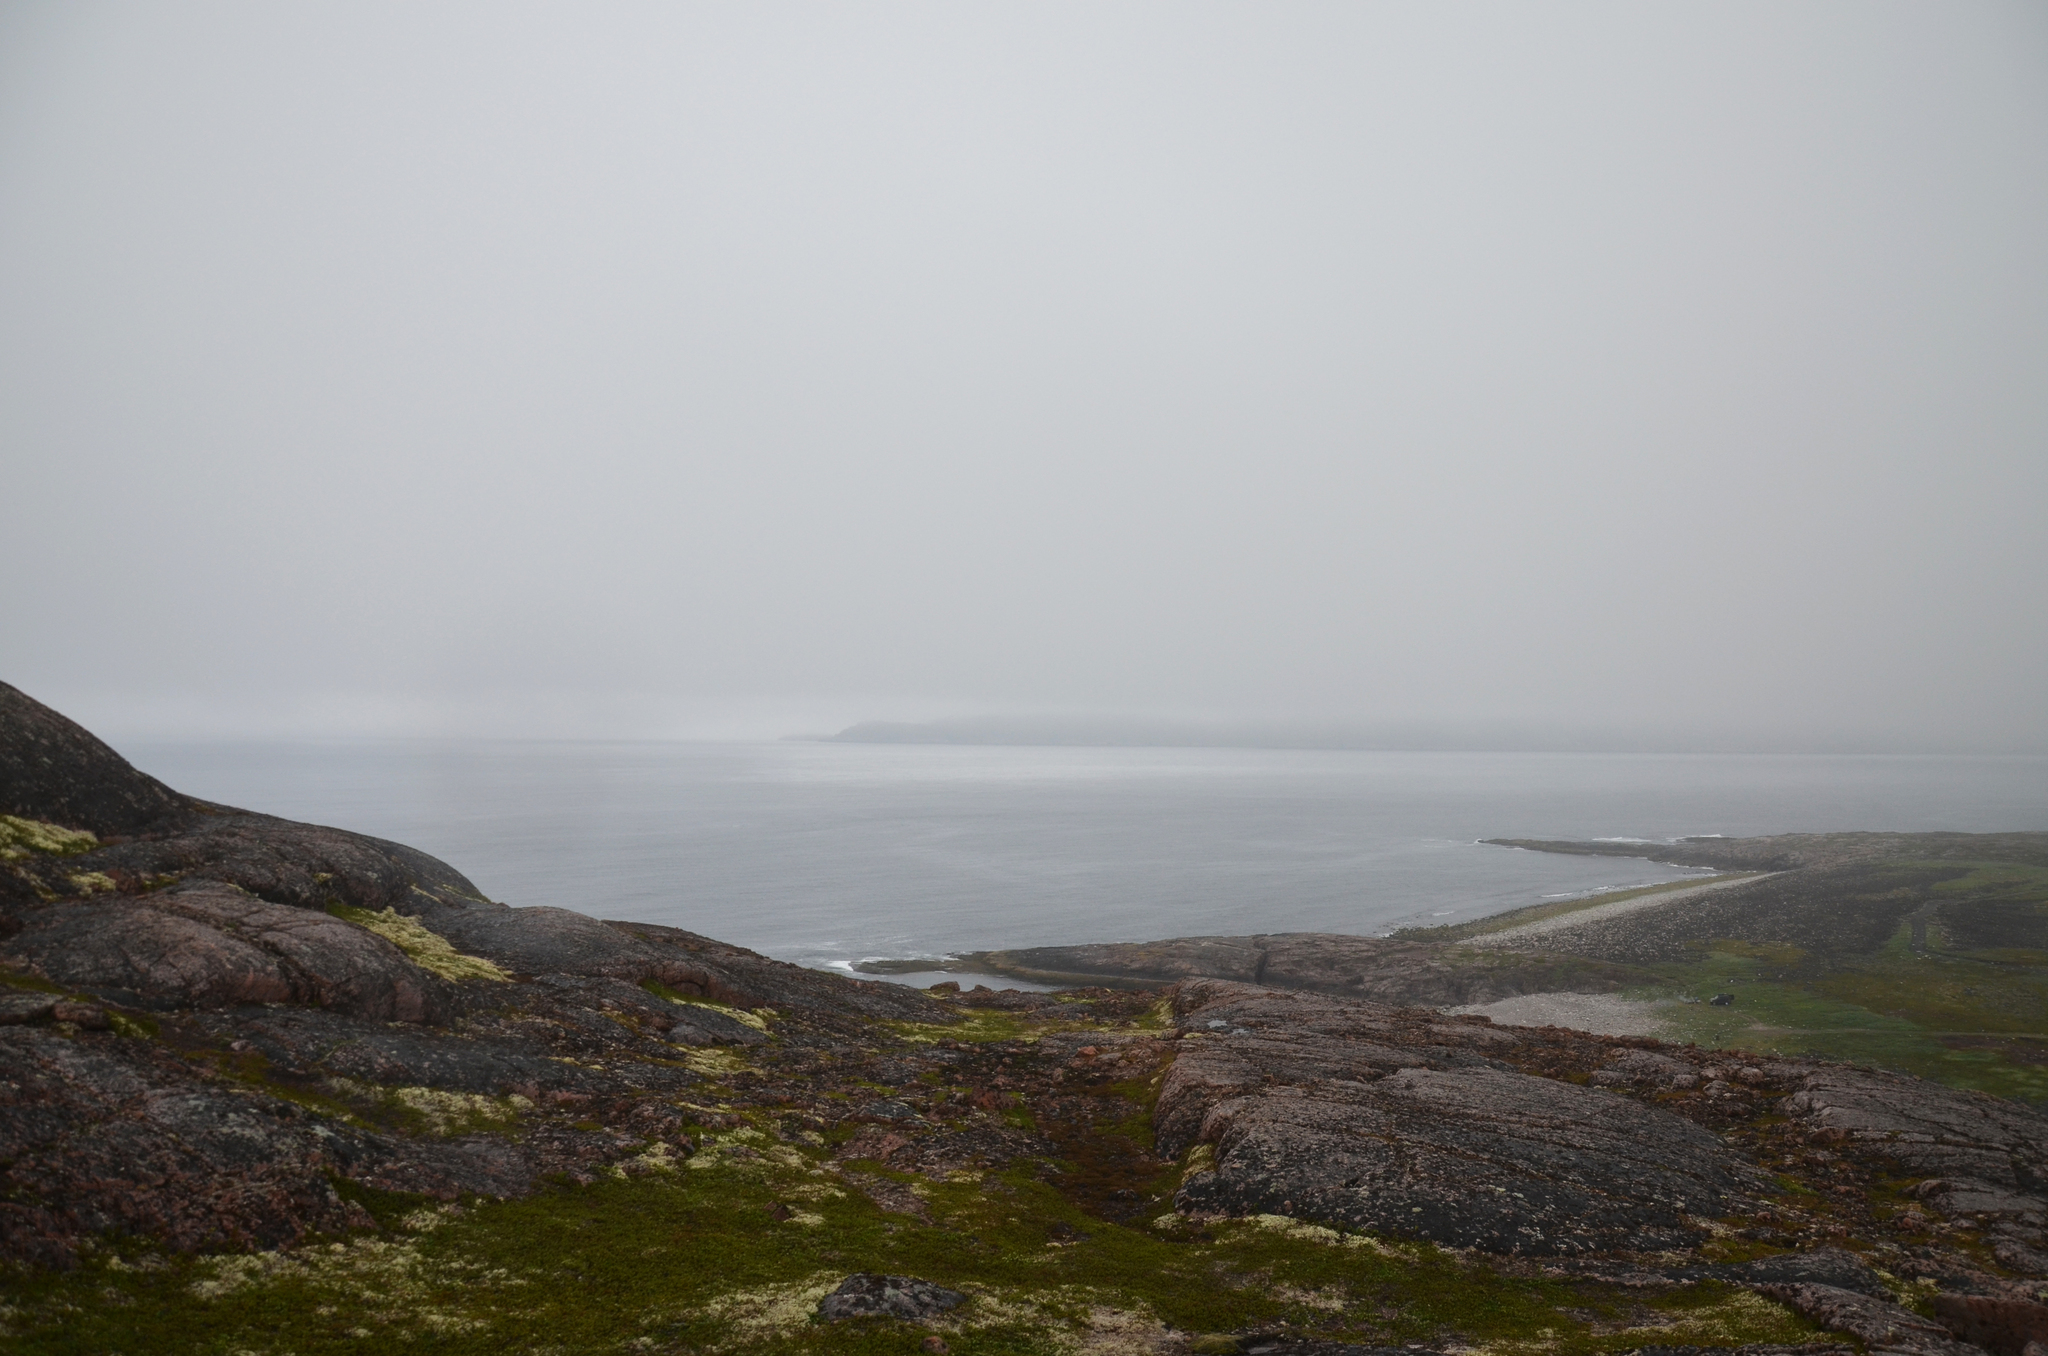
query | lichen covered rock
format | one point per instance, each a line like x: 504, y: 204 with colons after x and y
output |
x: 1353, y: 1114
x: 207, y: 945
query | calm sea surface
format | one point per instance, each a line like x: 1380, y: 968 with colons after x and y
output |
x: 828, y: 853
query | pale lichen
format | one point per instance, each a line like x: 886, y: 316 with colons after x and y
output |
x: 440, y: 1112
x: 772, y: 1311
x: 92, y: 882
x: 387, y: 1282
x: 712, y: 1062
x: 427, y: 949
x: 19, y: 837
x: 749, y: 1149
x: 1113, y: 1331
x: 757, y: 1019
x: 429, y: 1218
x: 656, y: 1157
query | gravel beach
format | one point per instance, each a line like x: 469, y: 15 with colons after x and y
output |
x: 1600, y: 913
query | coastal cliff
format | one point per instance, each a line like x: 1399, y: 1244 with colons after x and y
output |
x: 270, y: 1086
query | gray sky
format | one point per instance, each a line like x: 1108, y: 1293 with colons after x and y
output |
x: 668, y: 369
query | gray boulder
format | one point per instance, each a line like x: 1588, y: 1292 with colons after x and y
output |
x: 869, y: 1295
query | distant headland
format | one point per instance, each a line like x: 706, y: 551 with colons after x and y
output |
x: 1385, y: 736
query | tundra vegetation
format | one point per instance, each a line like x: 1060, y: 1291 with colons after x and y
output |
x: 282, y: 1089
x: 1921, y: 952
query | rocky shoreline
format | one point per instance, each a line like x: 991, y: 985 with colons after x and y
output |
x: 278, y: 1086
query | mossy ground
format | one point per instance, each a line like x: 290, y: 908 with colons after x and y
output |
x: 1070, y: 1246
x: 683, y: 1260
x: 729, y: 1250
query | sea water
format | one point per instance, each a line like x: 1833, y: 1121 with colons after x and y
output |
x: 827, y: 854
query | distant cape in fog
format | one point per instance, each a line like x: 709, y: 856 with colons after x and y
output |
x: 1391, y: 736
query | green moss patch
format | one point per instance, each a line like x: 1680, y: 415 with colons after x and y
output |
x: 21, y: 979
x: 730, y: 1249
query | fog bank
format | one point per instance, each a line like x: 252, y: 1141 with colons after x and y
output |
x: 1672, y: 373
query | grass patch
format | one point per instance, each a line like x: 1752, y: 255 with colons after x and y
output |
x: 1909, y: 1014
x: 1946, y: 978
x: 135, y: 1026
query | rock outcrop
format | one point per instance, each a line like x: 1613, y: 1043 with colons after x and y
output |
x: 208, y: 1017
x: 1354, y: 1114
x: 2005, y: 1327
x: 1542, y: 1142
x: 209, y: 945
x: 53, y: 769
x: 1979, y: 1158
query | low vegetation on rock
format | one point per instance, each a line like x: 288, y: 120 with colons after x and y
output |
x: 284, y: 1089
x: 1921, y: 952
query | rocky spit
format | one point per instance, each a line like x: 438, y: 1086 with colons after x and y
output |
x: 215, y: 1025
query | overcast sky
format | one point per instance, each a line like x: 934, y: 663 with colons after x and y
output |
x: 743, y: 369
